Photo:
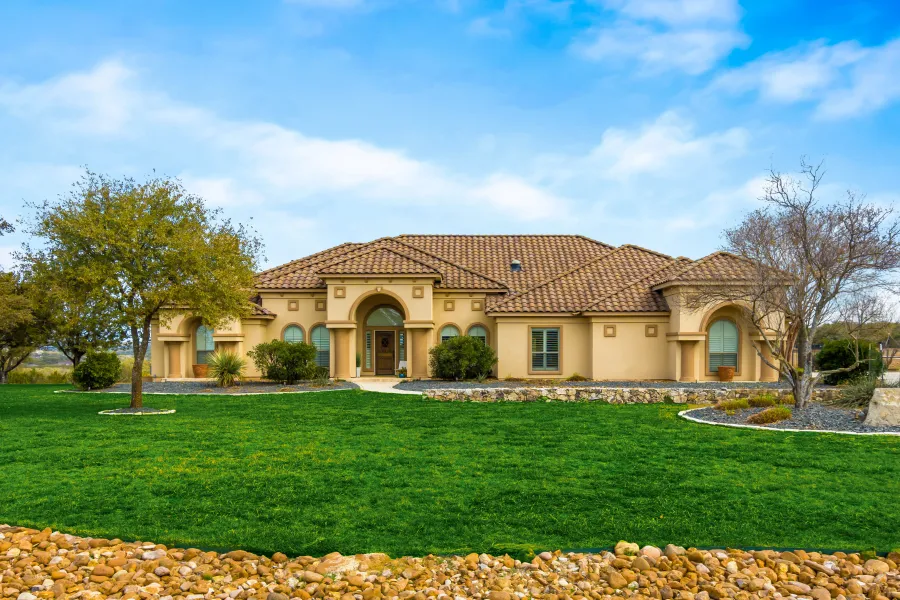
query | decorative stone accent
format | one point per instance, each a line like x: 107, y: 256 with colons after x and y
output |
x: 884, y: 408
x: 613, y: 395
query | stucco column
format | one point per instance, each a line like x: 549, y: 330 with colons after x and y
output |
x: 418, y: 352
x: 688, y: 362
x: 175, y: 371
x: 766, y: 373
x: 342, y: 353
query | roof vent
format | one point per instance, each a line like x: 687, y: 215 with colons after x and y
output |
x: 515, y: 266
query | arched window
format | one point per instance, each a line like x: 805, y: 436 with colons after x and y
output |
x: 321, y: 340
x: 448, y: 331
x: 385, y: 316
x: 478, y: 332
x: 206, y: 345
x: 293, y: 334
x: 723, y: 344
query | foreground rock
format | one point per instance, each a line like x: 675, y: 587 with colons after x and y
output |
x: 884, y: 408
x: 46, y: 564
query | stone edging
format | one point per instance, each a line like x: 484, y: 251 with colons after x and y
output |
x: 685, y: 415
x: 113, y: 413
x: 199, y: 393
x: 612, y: 395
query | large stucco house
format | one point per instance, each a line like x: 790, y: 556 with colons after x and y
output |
x: 550, y: 305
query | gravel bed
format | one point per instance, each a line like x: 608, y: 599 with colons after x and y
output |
x: 436, y: 384
x: 208, y: 387
x: 815, y: 417
x: 48, y: 564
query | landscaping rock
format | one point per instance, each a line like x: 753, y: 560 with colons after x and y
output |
x: 50, y: 565
x: 884, y: 408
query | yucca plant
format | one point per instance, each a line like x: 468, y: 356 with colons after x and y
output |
x: 227, y: 368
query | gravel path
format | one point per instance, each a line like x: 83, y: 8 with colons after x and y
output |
x: 815, y: 417
x: 208, y: 387
x: 435, y: 384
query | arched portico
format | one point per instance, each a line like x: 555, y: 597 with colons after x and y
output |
x: 382, y: 340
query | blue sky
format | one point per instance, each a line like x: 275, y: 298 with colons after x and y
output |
x: 631, y: 121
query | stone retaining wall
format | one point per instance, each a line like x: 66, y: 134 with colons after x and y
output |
x: 617, y: 395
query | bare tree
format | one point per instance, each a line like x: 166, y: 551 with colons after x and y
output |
x: 809, y: 263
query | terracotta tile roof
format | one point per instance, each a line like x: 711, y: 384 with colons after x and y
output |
x: 542, y: 256
x: 580, y: 288
x: 258, y: 311
x: 719, y: 267
x: 378, y: 260
x: 560, y: 273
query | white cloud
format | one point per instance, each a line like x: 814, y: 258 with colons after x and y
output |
x: 503, y: 22
x: 686, y: 35
x: 261, y: 162
x: 667, y: 145
x: 678, y: 12
x: 843, y: 79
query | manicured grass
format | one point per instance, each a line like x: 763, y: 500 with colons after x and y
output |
x: 355, y: 471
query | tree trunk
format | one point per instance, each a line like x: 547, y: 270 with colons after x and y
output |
x: 802, y: 388
x: 76, y: 359
x: 137, y: 383
x: 4, y: 376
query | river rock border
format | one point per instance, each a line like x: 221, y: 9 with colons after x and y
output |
x: 614, y: 395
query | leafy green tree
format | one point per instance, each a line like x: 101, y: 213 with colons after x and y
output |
x: 77, y: 326
x: 142, y: 251
x: 21, y: 332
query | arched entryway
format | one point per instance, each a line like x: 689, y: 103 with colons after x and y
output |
x: 382, y: 340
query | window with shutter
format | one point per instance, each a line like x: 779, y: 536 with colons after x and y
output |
x: 293, y: 334
x: 447, y: 332
x: 545, y: 349
x: 321, y: 340
x: 206, y: 345
x: 723, y: 344
x: 478, y: 332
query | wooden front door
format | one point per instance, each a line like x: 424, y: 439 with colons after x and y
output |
x: 384, y: 352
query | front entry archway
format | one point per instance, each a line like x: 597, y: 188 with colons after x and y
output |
x: 382, y: 338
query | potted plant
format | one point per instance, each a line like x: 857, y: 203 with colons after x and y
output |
x: 726, y: 373
x: 201, y: 371
x: 401, y: 372
x: 358, y: 364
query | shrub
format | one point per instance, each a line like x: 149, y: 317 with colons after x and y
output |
x: 857, y: 393
x: 770, y: 415
x: 576, y: 377
x: 285, y: 362
x: 462, y: 357
x: 735, y: 404
x: 762, y: 401
x: 227, y: 368
x: 97, y: 370
x: 839, y: 354
x: 41, y: 375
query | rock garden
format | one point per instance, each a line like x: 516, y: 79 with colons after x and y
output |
x: 49, y: 564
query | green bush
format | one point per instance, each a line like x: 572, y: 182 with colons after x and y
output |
x: 770, y: 415
x: 735, y: 404
x: 839, y: 354
x: 576, y: 377
x: 227, y: 368
x: 762, y: 401
x: 41, y: 375
x: 857, y: 393
x: 462, y: 357
x: 97, y: 370
x: 285, y: 362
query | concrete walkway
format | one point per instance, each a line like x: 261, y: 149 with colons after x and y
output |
x: 384, y: 385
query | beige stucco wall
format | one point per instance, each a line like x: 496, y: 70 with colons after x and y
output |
x: 586, y: 347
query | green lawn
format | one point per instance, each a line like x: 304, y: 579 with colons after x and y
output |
x: 355, y: 471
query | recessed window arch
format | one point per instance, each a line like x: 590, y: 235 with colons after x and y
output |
x: 206, y: 344
x: 478, y: 332
x: 320, y: 338
x: 449, y: 331
x: 723, y: 344
x: 293, y: 334
x: 385, y: 316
